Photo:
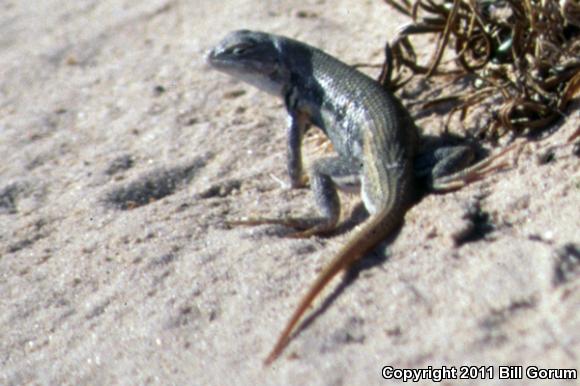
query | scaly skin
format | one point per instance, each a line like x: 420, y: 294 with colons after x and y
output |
x: 373, y: 134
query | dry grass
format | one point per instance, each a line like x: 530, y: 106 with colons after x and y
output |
x: 520, y: 59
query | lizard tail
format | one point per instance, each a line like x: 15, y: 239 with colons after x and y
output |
x: 373, y: 231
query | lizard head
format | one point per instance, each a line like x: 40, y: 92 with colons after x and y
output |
x: 253, y: 57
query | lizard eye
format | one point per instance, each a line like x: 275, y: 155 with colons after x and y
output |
x: 240, y: 49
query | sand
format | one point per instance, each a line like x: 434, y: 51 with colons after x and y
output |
x: 122, y: 155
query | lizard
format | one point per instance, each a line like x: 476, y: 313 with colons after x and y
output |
x: 375, y: 138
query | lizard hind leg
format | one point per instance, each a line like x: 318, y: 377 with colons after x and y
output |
x: 326, y: 176
x: 475, y: 172
x: 449, y: 168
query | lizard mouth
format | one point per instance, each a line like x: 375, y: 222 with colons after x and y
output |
x: 212, y: 58
x: 263, y: 75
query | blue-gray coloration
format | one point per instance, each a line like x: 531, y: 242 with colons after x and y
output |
x: 373, y: 135
x: 337, y: 98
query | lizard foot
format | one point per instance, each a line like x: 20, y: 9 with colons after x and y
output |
x: 306, y: 227
x: 322, y: 229
x: 290, y: 222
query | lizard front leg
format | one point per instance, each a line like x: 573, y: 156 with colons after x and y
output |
x: 298, y: 124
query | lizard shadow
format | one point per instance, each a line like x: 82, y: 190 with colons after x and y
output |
x: 426, y: 99
x: 430, y: 143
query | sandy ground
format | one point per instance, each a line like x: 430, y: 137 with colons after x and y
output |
x: 121, y: 157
